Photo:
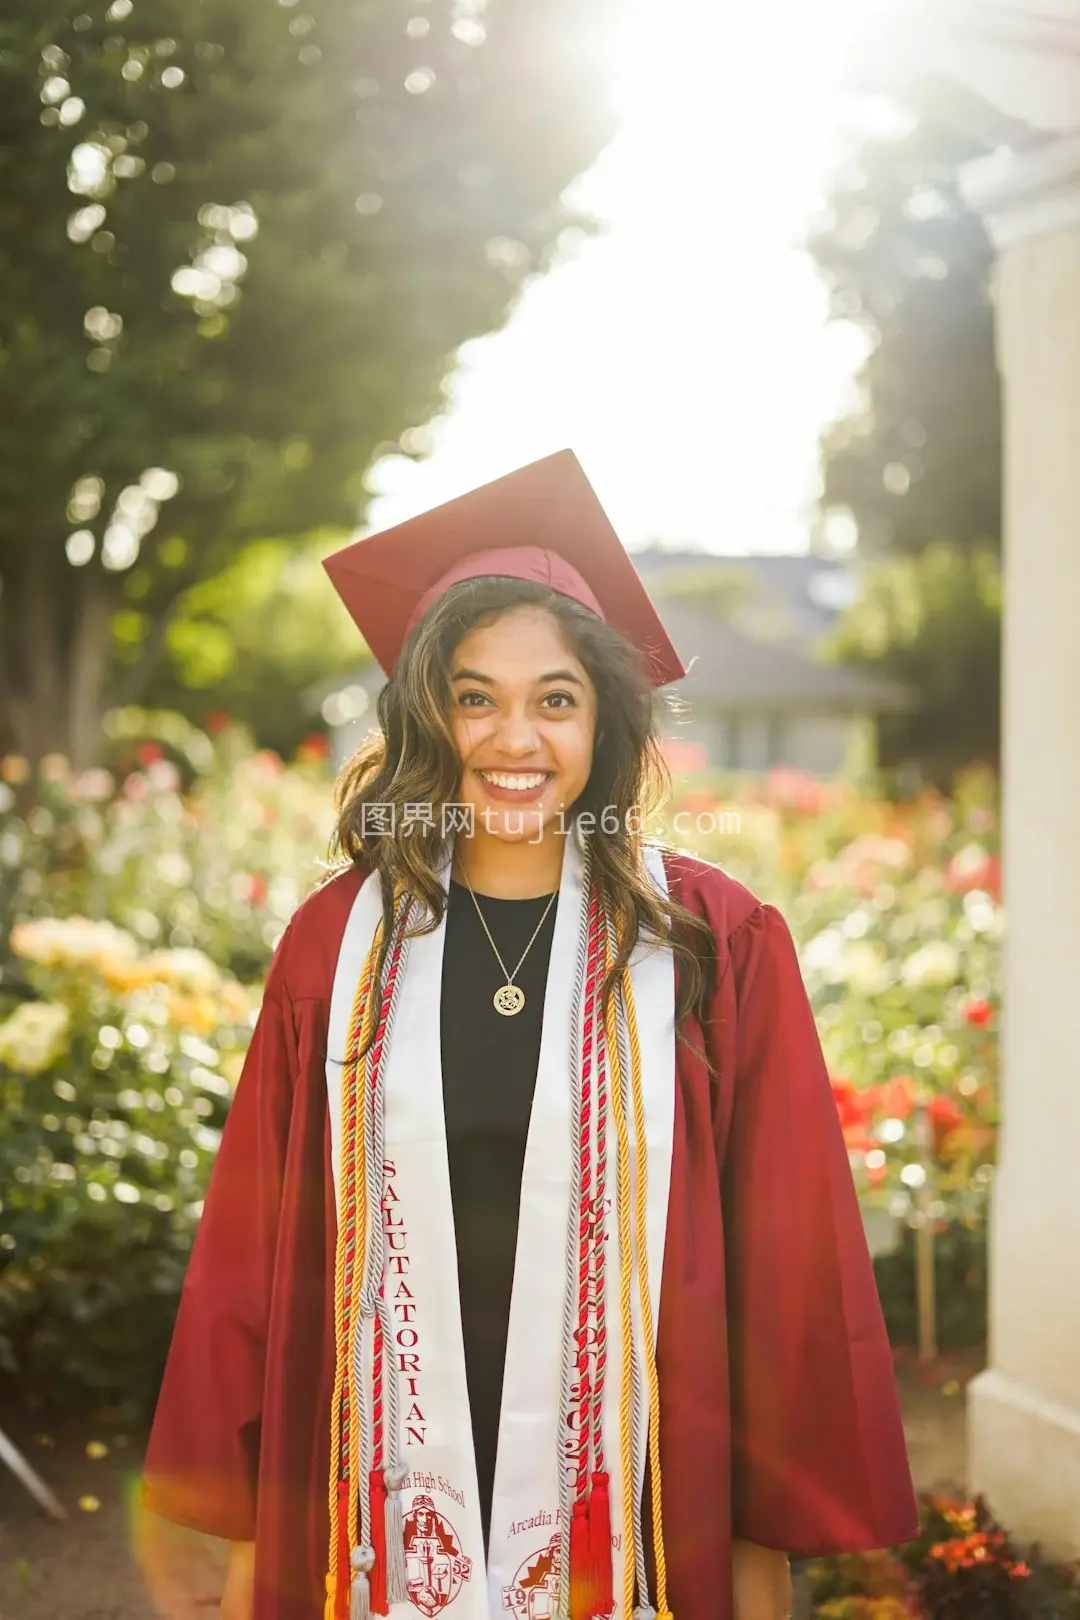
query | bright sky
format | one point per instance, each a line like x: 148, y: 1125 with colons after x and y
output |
x: 683, y: 351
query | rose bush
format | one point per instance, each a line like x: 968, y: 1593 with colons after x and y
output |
x: 113, y: 1087
x: 219, y: 867
x: 896, y: 909
x: 132, y: 916
x: 961, y: 1566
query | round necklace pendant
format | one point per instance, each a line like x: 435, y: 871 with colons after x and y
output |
x: 508, y: 999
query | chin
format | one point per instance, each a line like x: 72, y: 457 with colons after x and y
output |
x: 516, y: 826
x: 512, y: 825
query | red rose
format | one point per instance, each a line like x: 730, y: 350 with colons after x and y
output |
x: 314, y: 748
x: 945, y: 1116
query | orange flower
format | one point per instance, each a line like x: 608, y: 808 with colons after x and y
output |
x: 196, y: 1013
x: 123, y: 977
x: 895, y: 1098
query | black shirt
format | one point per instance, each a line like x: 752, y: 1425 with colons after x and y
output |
x: 489, y: 1075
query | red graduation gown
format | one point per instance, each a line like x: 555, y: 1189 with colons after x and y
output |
x: 780, y: 1420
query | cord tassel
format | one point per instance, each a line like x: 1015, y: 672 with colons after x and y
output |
x: 602, y: 1575
x: 582, y: 1605
x: 363, y: 1559
x: 337, y: 1586
x: 377, y: 1578
x: 397, y: 1578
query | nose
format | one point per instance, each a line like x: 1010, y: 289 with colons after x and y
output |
x: 518, y: 736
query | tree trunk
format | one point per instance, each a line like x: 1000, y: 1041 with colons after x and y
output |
x: 53, y: 656
x: 88, y: 657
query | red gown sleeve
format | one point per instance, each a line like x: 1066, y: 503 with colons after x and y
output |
x: 202, y: 1460
x: 819, y: 1462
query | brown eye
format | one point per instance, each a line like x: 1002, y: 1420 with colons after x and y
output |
x: 560, y: 700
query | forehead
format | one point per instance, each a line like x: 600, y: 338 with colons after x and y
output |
x: 520, y: 638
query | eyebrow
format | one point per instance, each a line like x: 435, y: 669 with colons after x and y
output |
x: 542, y: 680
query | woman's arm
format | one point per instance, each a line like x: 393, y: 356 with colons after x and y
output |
x: 761, y: 1582
x: 238, y: 1598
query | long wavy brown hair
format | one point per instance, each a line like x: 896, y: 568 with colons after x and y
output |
x: 412, y: 761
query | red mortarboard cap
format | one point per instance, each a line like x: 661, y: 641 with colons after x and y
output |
x: 543, y: 522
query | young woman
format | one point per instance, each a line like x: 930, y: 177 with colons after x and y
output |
x: 531, y: 1279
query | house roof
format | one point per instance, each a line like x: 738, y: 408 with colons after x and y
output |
x: 796, y: 597
x: 732, y: 670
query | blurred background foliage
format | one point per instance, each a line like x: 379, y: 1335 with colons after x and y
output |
x: 914, y: 468
x: 258, y: 641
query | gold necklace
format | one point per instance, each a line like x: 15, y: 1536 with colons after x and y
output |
x: 509, y: 998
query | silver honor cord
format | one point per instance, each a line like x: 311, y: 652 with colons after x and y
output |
x: 374, y: 1238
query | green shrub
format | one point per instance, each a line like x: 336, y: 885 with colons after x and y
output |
x: 113, y: 1088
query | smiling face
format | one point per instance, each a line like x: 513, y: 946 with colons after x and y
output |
x: 523, y: 720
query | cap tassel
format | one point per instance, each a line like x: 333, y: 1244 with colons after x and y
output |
x: 377, y: 1577
x: 582, y: 1587
x: 397, y: 1576
x: 363, y: 1559
x: 601, y: 1572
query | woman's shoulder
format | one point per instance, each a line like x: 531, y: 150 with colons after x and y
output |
x: 709, y: 892
x: 307, y: 954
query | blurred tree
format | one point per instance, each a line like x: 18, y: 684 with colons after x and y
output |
x: 932, y: 623
x: 238, y: 245
x: 255, y: 642
x: 919, y: 456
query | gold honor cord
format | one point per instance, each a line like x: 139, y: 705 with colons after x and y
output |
x: 363, y: 1012
x: 627, y: 1247
x: 641, y: 1222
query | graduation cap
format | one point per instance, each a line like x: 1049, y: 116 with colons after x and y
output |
x: 542, y: 522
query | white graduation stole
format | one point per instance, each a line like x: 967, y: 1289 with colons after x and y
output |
x: 444, y: 1546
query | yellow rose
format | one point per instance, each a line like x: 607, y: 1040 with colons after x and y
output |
x: 34, y: 1036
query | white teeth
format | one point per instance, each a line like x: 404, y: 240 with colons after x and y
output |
x: 516, y: 780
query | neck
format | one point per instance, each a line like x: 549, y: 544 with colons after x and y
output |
x: 510, y: 871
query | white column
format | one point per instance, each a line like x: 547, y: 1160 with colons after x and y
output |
x: 1024, y: 1411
